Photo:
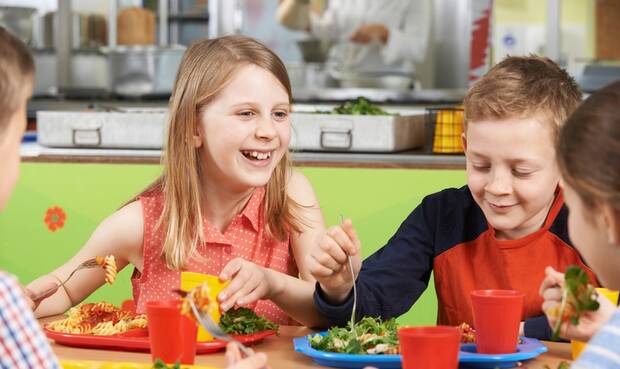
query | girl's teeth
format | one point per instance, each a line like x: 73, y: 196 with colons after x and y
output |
x: 258, y: 155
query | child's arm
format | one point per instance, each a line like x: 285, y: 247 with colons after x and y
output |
x: 389, y: 281
x: 250, y: 282
x: 312, y: 223
x: 120, y: 235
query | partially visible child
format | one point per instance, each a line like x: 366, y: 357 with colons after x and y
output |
x: 588, y: 153
x: 227, y: 202
x: 498, y: 232
x: 22, y: 343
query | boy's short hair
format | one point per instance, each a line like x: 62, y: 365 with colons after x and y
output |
x: 523, y: 87
x: 16, y: 72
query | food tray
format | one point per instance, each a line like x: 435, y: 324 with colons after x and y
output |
x: 75, y: 364
x: 138, y: 341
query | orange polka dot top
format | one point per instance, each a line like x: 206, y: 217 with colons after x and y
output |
x: 245, y: 237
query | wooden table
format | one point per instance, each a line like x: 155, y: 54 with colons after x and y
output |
x: 280, y: 352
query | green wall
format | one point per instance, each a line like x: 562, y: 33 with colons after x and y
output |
x: 377, y: 200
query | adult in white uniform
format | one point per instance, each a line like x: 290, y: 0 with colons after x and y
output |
x: 368, y: 35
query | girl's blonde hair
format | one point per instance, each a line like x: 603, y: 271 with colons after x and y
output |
x: 207, y: 67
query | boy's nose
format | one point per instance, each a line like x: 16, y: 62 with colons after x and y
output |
x: 499, y: 184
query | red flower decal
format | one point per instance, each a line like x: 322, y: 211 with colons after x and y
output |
x: 55, y: 218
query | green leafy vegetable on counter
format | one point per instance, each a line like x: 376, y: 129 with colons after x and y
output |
x: 245, y: 321
x: 359, y: 107
x: 374, y: 336
x: 578, y: 296
x: 158, y: 364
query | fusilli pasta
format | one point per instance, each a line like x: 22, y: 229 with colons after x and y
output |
x: 108, y: 263
x: 100, y: 318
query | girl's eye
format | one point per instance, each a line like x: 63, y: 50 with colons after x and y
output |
x: 280, y: 115
x: 247, y: 113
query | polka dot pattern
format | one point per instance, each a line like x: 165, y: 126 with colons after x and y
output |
x: 245, y: 237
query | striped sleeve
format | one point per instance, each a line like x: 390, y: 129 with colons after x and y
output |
x: 23, y: 345
x: 603, y: 350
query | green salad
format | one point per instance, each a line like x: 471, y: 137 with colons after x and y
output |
x: 245, y: 321
x: 359, y: 107
x: 374, y: 337
x: 158, y: 364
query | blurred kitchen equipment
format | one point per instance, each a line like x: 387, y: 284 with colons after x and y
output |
x: 598, y: 75
x: 137, y: 128
x: 143, y: 70
x: 444, y: 128
x: 89, y: 30
x: 19, y: 21
x: 390, y: 80
x: 136, y: 26
x: 313, y: 50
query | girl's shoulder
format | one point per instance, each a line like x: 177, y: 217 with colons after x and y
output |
x: 299, y: 188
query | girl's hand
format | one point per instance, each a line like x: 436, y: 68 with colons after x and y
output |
x: 589, y: 322
x: 249, y: 283
x: 234, y: 361
x: 34, y: 297
x: 329, y: 265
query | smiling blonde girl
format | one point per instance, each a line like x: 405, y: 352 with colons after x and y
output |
x: 227, y: 202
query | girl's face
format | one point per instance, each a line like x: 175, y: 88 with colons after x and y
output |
x: 588, y: 230
x: 245, y: 130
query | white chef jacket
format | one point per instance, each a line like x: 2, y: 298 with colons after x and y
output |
x: 408, y: 22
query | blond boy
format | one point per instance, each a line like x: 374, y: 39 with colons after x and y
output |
x: 499, y: 231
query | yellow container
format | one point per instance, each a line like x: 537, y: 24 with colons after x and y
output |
x: 448, y: 131
x: 79, y: 364
x: 577, y: 346
x: 190, y: 280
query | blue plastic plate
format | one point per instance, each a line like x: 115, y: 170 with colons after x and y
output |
x: 468, y: 357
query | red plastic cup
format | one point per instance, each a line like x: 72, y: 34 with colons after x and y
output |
x: 497, y: 314
x: 429, y: 347
x: 172, y: 336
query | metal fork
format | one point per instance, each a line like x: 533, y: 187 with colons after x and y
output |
x: 90, y: 263
x: 212, y: 327
x: 354, y: 289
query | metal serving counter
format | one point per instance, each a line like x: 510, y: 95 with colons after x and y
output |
x: 33, y: 152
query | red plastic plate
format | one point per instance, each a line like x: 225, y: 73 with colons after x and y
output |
x: 137, y: 340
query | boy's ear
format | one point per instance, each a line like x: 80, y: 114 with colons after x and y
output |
x: 464, y: 141
x: 611, y: 217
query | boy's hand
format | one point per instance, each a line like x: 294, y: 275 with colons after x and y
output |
x: 589, y: 322
x: 329, y: 264
x: 234, y: 360
x: 248, y: 283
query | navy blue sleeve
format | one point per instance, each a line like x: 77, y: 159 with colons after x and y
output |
x: 395, y: 276
x: 537, y: 327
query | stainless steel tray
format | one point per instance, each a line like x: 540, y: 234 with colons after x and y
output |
x: 128, y: 129
x: 356, y: 133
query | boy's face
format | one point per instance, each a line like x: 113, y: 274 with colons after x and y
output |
x: 589, y: 230
x: 511, y: 173
x: 10, y: 142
